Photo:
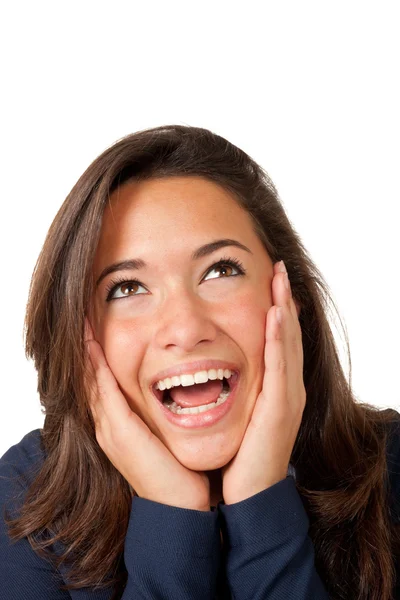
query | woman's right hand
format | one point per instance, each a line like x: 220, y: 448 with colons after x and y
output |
x: 144, y: 461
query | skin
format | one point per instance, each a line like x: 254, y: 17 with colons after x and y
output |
x: 184, y: 312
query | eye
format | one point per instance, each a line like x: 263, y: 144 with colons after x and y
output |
x: 232, y: 263
x: 127, y: 285
x: 123, y: 285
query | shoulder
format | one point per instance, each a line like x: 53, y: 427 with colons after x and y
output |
x: 393, y: 463
x: 19, y: 465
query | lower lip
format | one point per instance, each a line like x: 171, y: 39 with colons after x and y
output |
x: 208, y: 418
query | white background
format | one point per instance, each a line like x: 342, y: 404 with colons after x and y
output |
x: 309, y: 89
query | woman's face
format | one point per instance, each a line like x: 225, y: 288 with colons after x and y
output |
x: 183, y: 310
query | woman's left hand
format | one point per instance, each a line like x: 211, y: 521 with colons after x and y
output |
x: 264, y: 454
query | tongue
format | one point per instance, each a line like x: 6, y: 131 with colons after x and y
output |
x: 197, y: 394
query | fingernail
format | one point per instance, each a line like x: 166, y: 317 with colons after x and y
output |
x: 281, y: 267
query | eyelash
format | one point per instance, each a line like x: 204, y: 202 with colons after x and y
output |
x: 223, y: 262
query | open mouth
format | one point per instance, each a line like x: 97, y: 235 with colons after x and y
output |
x: 198, y: 397
x: 165, y: 396
x: 189, y: 407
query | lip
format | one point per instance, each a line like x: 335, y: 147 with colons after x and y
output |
x: 205, y: 419
x: 193, y: 367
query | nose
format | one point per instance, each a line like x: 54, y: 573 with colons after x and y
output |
x: 186, y: 320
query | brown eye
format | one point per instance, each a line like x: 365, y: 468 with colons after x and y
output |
x: 224, y: 268
x: 127, y: 287
x: 227, y: 268
x: 123, y: 289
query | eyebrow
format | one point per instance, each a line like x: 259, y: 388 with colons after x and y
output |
x: 138, y: 263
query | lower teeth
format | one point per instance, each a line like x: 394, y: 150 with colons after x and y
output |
x: 175, y: 408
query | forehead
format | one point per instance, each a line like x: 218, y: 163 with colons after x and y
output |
x: 189, y: 205
x: 164, y: 221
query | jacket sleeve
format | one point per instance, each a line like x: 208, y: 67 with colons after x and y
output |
x: 269, y: 555
x: 171, y: 552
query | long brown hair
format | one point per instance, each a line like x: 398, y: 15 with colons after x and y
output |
x: 340, y: 450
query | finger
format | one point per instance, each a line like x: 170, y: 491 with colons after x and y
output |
x: 274, y: 385
x: 274, y: 353
x: 109, y: 401
x: 291, y: 331
x: 88, y: 335
x: 90, y: 385
x: 91, y: 356
x: 91, y: 366
x: 282, y: 296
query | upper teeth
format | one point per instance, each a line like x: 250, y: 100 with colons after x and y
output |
x: 199, y: 377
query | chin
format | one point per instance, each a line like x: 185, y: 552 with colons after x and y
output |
x: 205, y: 460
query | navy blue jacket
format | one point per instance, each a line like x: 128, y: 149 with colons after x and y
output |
x: 175, y: 553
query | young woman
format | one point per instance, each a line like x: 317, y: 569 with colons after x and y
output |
x: 200, y: 439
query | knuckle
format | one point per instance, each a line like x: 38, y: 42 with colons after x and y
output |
x: 294, y: 343
x: 120, y: 437
x: 101, y: 389
x: 280, y: 365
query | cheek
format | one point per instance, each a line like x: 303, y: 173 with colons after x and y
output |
x: 250, y: 319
